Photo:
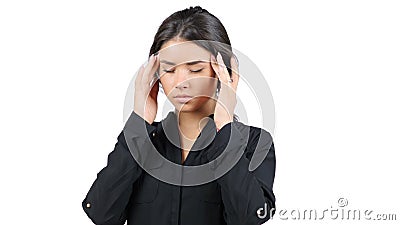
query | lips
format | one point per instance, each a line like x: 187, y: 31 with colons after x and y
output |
x: 183, y: 98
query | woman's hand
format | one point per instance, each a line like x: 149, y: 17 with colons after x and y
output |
x: 226, y: 101
x: 146, y: 90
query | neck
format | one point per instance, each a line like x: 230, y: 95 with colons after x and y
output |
x: 194, y: 120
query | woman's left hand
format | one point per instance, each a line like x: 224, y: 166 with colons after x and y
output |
x: 226, y: 101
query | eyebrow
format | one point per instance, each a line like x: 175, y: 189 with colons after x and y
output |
x: 188, y: 63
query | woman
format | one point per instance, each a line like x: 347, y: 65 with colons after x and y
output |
x: 187, y: 59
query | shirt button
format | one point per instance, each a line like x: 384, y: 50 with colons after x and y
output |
x: 88, y: 205
x: 154, y: 134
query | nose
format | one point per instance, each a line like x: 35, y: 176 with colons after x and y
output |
x: 181, y: 78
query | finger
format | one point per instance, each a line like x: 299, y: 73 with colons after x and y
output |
x: 140, y: 74
x: 150, y: 69
x: 224, y: 74
x: 154, y: 90
x: 146, y: 69
x: 235, y: 71
x: 214, y: 65
x: 154, y: 69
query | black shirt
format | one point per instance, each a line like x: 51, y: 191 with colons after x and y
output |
x: 125, y: 190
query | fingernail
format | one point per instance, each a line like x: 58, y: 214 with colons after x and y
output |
x: 220, y: 57
x: 220, y: 60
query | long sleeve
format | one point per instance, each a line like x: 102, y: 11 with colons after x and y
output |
x: 247, y: 194
x: 107, y: 200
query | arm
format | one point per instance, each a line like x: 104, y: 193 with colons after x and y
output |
x: 247, y: 195
x: 107, y: 200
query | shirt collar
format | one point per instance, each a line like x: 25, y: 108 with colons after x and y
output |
x: 171, y: 131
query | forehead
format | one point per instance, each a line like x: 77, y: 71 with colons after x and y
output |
x: 178, y: 52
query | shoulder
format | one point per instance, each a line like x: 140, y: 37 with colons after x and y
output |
x: 255, y: 134
x: 260, y: 146
x: 259, y: 143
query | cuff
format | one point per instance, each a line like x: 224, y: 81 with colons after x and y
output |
x: 136, y: 126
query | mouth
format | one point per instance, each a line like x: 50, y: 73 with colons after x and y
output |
x: 183, y: 98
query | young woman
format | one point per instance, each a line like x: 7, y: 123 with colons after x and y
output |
x: 191, y: 59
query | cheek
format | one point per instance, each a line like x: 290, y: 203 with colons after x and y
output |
x: 166, y: 86
x: 206, y: 86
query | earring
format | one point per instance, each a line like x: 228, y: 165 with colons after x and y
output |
x: 218, y: 87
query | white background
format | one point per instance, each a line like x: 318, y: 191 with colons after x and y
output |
x: 332, y: 66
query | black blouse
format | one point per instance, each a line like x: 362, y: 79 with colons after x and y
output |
x: 125, y: 190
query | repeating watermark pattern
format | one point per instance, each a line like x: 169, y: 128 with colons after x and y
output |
x: 146, y: 154
x: 340, y: 212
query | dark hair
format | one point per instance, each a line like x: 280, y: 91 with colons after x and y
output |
x: 198, y: 25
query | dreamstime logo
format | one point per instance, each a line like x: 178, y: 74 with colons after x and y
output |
x: 342, y: 202
x: 146, y: 154
x: 341, y: 212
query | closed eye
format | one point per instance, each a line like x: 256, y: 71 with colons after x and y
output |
x: 193, y: 71
x: 196, y: 71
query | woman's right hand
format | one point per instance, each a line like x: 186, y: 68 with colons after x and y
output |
x: 145, y: 100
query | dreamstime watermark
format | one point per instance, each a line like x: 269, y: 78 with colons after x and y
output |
x: 339, y: 212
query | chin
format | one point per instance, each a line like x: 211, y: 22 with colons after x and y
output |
x: 193, y: 105
x: 185, y: 108
x: 188, y: 107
